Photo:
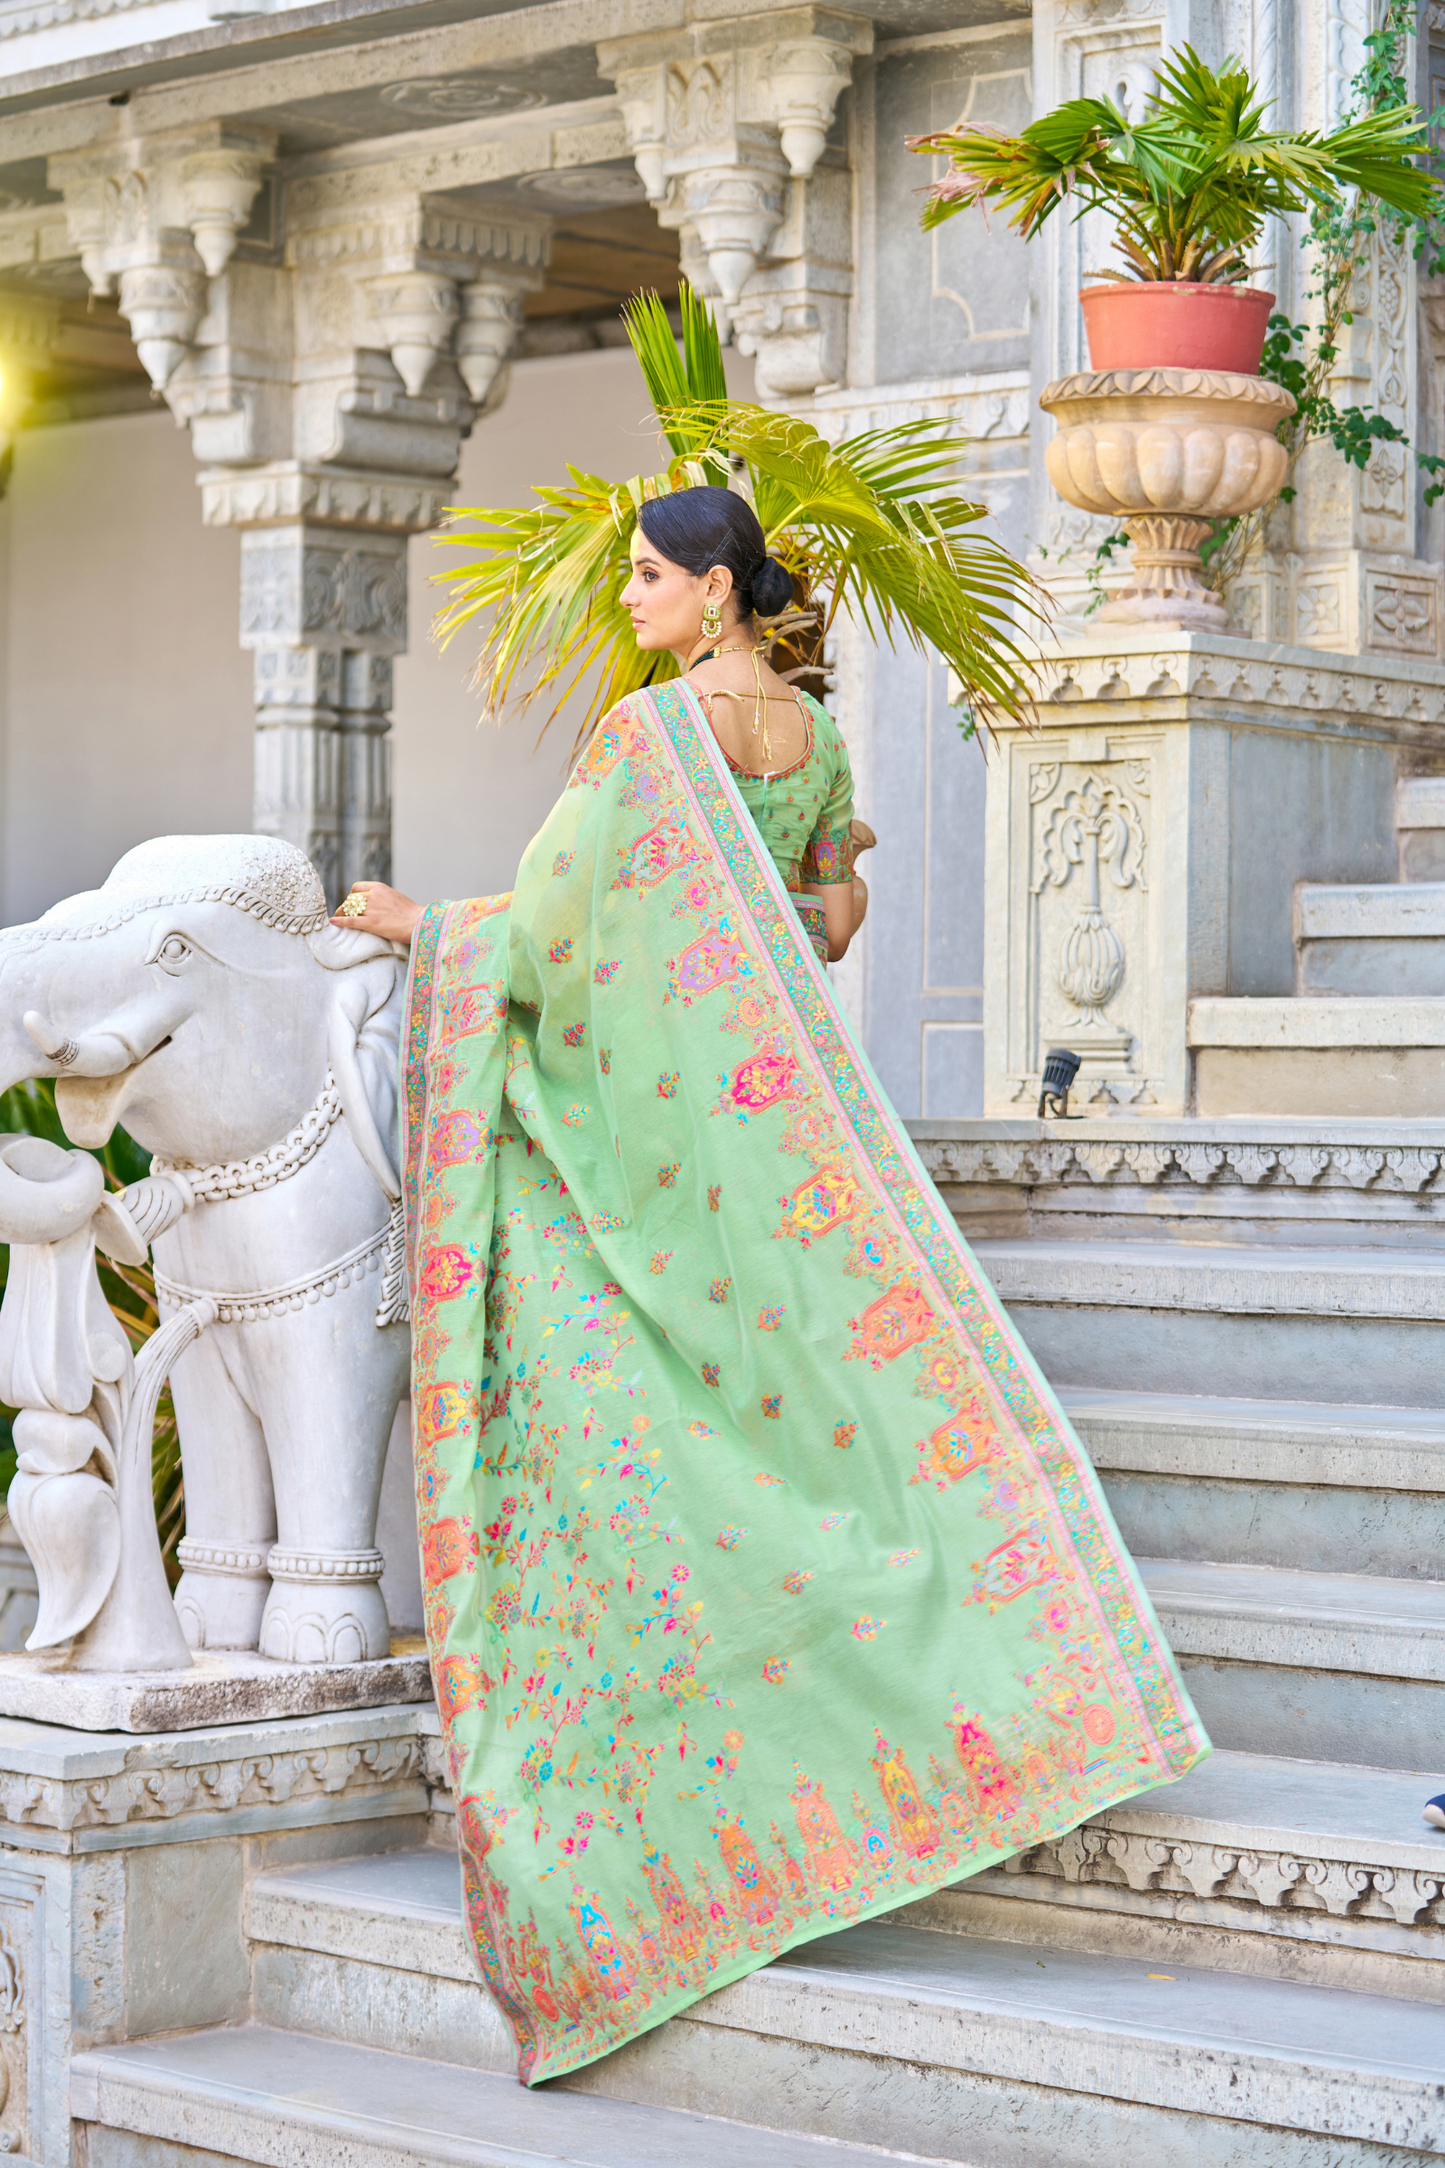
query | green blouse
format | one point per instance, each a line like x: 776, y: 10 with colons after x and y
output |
x: 804, y: 813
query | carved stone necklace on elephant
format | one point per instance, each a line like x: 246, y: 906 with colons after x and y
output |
x: 201, y: 998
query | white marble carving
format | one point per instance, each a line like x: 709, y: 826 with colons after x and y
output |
x: 728, y: 125
x: 1116, y: 828
x: 201, y: 999
x: 81, y: 1497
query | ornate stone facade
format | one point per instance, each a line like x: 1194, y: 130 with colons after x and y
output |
x: 1221, y: 764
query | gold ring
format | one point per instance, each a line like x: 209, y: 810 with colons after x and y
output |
x: 354, y: 906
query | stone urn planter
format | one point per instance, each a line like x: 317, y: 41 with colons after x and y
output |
x: 1167, y: 452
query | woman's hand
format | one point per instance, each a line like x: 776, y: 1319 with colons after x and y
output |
x: 383, y: 911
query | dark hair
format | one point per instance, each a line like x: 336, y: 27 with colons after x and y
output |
x: 700, y: 528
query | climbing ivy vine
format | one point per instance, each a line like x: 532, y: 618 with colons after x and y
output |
x: 1302, y: 357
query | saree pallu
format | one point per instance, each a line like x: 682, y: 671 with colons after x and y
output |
x: 767, y: 1587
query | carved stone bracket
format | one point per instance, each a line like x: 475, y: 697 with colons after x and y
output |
x: 429, y: 279
x: 156, y: 217
x: 728, y: 124
x: 327, y: 397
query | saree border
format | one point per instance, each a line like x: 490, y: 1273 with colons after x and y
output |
x: 420, y: 988
x: 912, y: 1195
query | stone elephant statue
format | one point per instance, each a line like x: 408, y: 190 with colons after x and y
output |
x: 202, y: 999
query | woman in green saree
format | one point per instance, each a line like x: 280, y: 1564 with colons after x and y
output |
x: 767, y: 1587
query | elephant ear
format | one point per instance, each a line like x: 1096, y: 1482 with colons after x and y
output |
x: 363, y: 1038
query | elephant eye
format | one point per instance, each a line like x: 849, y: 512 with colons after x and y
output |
x: 173, y: 952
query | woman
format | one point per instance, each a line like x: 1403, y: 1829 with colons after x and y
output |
x: 767, y: 1587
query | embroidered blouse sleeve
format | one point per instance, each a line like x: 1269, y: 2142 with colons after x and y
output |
x: 828, y: 858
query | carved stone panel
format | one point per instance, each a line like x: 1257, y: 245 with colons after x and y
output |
x: 21, y: 2004
x: 957, y: 298
x: 1402, y: 612
x: 1089, y: 933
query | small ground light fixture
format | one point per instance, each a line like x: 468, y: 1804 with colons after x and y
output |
x: 1060, y: 1069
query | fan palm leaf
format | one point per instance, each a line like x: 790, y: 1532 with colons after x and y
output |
x: 875, y: 524
x: 1190, y: 185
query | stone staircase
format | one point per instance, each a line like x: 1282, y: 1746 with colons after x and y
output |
x: 1240, y: 1969
x: 1382, y: 939
x: 1246, y: 1967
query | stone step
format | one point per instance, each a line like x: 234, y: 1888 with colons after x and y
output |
x: 1302, y: 1871
x: 1163, y: 1315
x: 1331, y: 1057
x: 1420, y: 827
x: 1382, y: 940
x: 1271, y: 1483
x: 959, y: 2046
x: 1294, y: 1870
x: 1320, y: 1666
x: 249, y: 2093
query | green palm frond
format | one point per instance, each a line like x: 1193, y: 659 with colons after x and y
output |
x: 875, y: 524
x: 1191, y: 185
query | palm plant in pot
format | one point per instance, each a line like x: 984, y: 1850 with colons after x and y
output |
x: 875, y: 525
x: 1189, y: 188
x: 1176, y: 431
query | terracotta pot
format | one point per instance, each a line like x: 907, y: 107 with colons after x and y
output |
x: 1175, y: 324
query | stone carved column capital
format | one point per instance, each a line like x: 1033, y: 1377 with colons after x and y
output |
x: 426, y: 273
x: 157, y: 216
x: 289, y: 490
x: 728, y: 123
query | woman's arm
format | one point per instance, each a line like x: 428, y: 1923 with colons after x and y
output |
x: 837, y: 902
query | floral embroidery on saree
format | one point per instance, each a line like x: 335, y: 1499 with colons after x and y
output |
x: 709, y: 1685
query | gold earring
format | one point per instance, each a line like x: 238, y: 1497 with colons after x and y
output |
x: 712, y: 620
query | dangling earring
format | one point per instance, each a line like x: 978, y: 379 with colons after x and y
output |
x: 712, y: 620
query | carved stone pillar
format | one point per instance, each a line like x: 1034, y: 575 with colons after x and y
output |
x: 728, y: 123
x: 327, y: 398
x: 1158, y: 766
x: 1343, y: 567
x: 323, y: 610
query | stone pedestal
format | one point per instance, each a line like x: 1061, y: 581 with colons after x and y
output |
x: 124, y: 1873
x: 1144, y: 846
x: 222, y: 1686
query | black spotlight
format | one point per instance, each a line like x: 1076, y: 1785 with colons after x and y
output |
x: 1060, y: 1069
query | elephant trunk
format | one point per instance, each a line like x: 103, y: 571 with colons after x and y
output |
x: 27, y: 965
x: 121, y: 1042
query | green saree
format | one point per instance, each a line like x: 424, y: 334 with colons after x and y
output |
x: 767, y: 1586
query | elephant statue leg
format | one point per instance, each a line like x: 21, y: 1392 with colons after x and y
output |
x: 230, y: 1508
x: 327, y: 1417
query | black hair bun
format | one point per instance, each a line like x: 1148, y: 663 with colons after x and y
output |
x: 772, y: 588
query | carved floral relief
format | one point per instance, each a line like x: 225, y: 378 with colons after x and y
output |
x: 1089, y: 935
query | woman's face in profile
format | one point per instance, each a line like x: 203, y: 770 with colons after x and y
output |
x: 665, y: 600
